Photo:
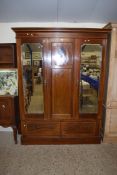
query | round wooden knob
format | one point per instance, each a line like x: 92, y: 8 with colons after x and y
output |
x: 25, y: 125
x: 3, y: 106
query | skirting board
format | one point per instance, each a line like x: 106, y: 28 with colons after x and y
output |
x: 110, y: 140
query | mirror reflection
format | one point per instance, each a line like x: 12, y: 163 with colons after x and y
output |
x: 90, y: 71
x: 32, y: 65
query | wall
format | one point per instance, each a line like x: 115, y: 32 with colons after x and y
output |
x: 8, y: 36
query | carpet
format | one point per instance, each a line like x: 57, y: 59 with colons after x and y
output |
x: 56, y: 159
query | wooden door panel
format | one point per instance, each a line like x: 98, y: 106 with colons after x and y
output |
x: 62, y: 78
x: 61, y: 92
x: 62, y: 54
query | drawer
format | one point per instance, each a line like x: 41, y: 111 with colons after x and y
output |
x: 75, y: 129
x: 6, y: 53
x: 44, y: 128
x: 6, y: 108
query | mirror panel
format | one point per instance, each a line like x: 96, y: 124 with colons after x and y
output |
x: 32, y: 68
x: 90, y: 71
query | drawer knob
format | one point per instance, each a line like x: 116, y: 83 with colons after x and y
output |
x: 3, y: 106
x: 25, y: 125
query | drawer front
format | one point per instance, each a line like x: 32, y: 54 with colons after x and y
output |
x: 75, y: 129
x: 7, y: 54
x: 41, y: 128
x: 6, y: 109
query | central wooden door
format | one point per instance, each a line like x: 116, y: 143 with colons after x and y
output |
x: 61, y: 66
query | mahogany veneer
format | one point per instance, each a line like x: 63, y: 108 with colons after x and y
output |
x: 61, y: 123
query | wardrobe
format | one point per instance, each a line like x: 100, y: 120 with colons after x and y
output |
x: 61, y: 84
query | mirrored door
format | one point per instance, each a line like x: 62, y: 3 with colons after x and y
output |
x: 33, y: 77
x: 90, y: 75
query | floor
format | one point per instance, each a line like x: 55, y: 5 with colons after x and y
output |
x: 36, y: 103
x: 56, y: 159
x: 88, y: 100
